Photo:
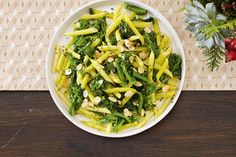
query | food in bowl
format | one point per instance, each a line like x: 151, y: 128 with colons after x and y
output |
x: 118, y: 69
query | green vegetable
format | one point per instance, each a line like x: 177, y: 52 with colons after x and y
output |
x: 140, y: 104
x: 175, y: 62
x: 137, y: 10
x: 96, y: 87
x: 126, y: 73
x: 113, y: 39
x: 75, y: 93
x: 140, y: 77
x: 125, y: 31
x: 119, y: 70
x: 164, y: 79
x: 151, y: 43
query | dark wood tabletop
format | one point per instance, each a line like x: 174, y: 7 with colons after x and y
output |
x: 201, y: 124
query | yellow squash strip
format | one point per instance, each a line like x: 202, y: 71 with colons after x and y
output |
x: 56, y: 58
x: 136, y: 65
x: 61, y: 62
x: 157, y: 31
x: 63, y: 97
x: 127, y: 126
x: 108, y: 128
x: 59, y: 77
x: 115, y: 78
x: 96, y: 42
x: 141, y: 24
x: 82, y: 32
x: 145, y: 119
x: 119, y: 89
x: 118, y: 36
x: 85, y: 81
x: 79, y: 78
x: 173, y: 82
x: 138, y: 49
x: 108, y: 15
x: 98, y: 109
x: 113, y: 26
x: 94, y: 125
x: 162, y: 69
x: 132, y: 15
x: 165, y: 95
x: 88, y: 114
x: 70, y: 43
x: 153, y: 98
x: 117, y: 12
x: 139, y: 61
x: 134, y: 29
x: 108, y: 48
x: 167, y: 72
x: 90, y: 94
x: 126, y: 99
x: 162, y: 57
x: 99, y: 60
x: 98, y: 67
x: 75, y: 55
x: 163, y: 107
x: 118, y: 95
x: 94, y: 16
x: 150, y: 66
x: 165, y: 43
x: 62, y: 82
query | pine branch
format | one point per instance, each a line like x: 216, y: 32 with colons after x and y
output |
x: 215, y: 27
x: 214, y: 57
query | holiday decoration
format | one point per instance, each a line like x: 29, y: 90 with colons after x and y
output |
x: 213, y: 22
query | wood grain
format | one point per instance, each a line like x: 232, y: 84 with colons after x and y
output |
x: 201, y: 124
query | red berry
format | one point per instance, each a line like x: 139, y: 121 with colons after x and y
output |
x: 232, y: 45
x: 230, y: 55
x: 228, y: 41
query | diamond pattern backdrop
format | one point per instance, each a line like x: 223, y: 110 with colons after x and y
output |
x: 27, y: 26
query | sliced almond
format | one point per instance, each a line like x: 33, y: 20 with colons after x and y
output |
x: 120, y: 45
x: 85, y: 103
x: 143, y: 55
x: 85, y: 93
x: 141, y: 70
x: 129, y: 45
x: 138, y: 84
x: 134, y: 70
x: 97, y: 100
x: 112, y: 99
x: 98, y: 54
x: 148, y: 30
x: 135, y: 103
x: 110, y: 59
x: 100, y: 82
x: 127, y: 113
x: 79, y: 67
x: 142, y: 112
x: 131, y: 59
x: 68, y: 72
x: 129, y: 94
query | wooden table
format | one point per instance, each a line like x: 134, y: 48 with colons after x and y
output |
x: 201, y: 124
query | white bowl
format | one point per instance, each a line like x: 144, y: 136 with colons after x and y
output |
x: 59, y: 38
